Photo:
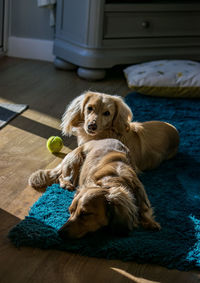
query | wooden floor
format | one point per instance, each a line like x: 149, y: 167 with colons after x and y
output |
x: 22, y: 150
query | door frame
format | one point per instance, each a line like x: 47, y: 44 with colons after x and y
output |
x: 6, y: 18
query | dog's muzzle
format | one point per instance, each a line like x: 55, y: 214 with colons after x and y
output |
x: 92, y: 127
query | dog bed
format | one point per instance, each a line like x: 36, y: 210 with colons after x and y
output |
x: 167, y: 78
x: 173, y: 189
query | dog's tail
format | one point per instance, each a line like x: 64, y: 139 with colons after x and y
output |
x: 41, y: 179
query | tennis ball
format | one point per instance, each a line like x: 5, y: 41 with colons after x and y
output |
x: 54, y: 144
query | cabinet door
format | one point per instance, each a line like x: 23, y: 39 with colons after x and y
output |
x: 1, y: 22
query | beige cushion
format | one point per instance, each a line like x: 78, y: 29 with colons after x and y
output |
x: 170, y: 78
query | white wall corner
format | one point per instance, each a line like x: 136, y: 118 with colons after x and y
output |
x: 30, y: 48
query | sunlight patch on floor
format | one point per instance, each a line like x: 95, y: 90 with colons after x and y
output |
x: 131, y: 277
x: 42, y: 118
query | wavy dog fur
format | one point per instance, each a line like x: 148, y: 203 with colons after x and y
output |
x: 94, y: 116
x: 109, y: 194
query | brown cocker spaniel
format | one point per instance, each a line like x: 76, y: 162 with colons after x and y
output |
x: 109, y: 192
x: 94, y: 116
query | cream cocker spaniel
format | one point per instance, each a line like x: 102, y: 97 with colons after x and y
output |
x: 94, y: 116
x: 109, y: 192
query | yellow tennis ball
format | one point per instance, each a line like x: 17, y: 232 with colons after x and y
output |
x: 54, y: 144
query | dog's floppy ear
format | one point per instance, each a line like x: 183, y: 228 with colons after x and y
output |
x: 122, y: 211
x: 74, y: 114
x: 123, y: 115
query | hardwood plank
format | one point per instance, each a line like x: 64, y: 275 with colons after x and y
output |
x: 23, y: 147
x: 35, y: 265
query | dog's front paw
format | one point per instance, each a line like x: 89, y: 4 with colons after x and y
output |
x: 39, y: 180
x: 66, y: 184
x: 70, y: 188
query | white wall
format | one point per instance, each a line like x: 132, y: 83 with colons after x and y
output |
x: 30, y: 34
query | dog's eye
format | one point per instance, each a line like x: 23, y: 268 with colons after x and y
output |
x: 89, y: 108
x: 84, y: 213
x: 107, y: 113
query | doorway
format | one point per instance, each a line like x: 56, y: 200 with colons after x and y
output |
x: 1, y: 24
x: 4, y: 12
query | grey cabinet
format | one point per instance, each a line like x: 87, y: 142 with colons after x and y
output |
x: 94, y: 35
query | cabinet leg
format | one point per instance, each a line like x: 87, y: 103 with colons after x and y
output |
x: 91, y: 74
x: 64, y: 65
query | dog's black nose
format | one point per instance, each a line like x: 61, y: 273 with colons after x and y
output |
x: 92, y: 126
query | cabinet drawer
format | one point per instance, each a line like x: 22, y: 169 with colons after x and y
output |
x: 151, y: 24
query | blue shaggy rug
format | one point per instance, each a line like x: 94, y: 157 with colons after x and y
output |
x: 173, y: 189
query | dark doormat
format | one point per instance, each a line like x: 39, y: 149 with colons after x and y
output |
x: 8, y: 111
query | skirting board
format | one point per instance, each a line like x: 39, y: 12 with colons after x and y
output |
x: 30, y: 48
